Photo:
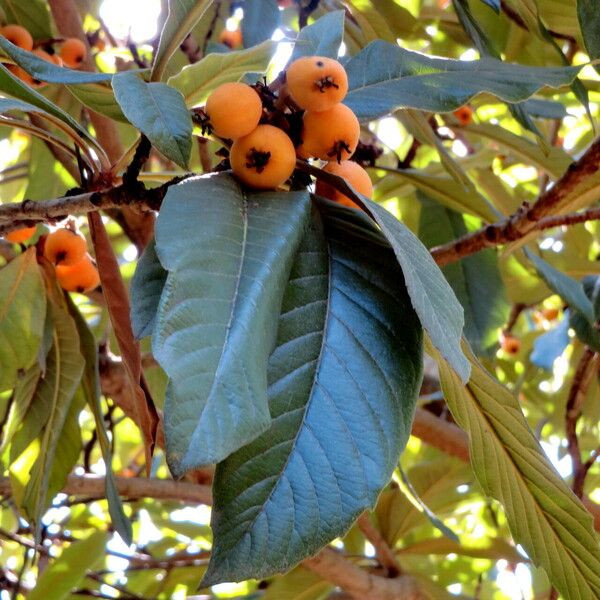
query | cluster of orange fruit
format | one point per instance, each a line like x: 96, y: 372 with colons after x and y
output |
x: 66, y: 249
x: 263, y: 156
x: 71, y: 53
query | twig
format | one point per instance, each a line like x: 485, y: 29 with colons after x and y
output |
x: 515, y: 312
x: 584, y: 373
x: 383, y: 552
x: 527, y: 218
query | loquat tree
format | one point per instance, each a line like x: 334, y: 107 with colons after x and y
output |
x: 299, y: 300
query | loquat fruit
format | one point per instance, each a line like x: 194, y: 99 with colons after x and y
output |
x: 230, y: 38
x: 18, y: 236
x: 24, y: 76
x: 354, y: 174
x: 17, y: 35
x: 550, y: 314
x: 234, y: 110
x: 65, y: 247
x: 510, y: 343
x: 316, y: 82
x: 263, y: 159
x: 73, y: 52
x: 464, y: 114
x: 330, y: 134
x: 81, y: 276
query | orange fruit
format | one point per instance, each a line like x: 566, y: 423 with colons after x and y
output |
x: 550, y: 314
x: 510, y: 344
x: 18, y: 236
x: 234, y: 110
x: 464, y: 114
x: 17, y: 35
x: 263, y: 159
x: 65, y: 247
x: 354, y: 174
x: 73, y: 52
x: 330, y: 134
x: 233, y: 39
x: 316, y: 82
x: 79, y: 277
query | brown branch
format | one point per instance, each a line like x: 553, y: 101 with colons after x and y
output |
x: 359, y: 583
x: 586, y: 369
x: 441, y: 434
x: 592, y: 214
x: 527, y: 218
x: 383, y: 552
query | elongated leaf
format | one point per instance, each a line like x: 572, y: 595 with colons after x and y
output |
x: 63, y: 374
x: 22, y: 315
x: 69, y: 569
x: 449, y: 192
x: 215, y: 327
x: 33, y: 15
x: 569, y: 289
x: 182, y: 16
x: 343, y: 382
x: 145, y: 289
x: 196, y: 81
x: 588, y: 333
x: 495, y: 4
x: 544, y: 515
x: 12, y: 86
x: 476, y: 279
x: 384, y: 77
x: 322, y: 38
x: 589, y: 22
x: 432, y: 297
x: 298, y: 584
x: 555, y: 161
x: 261, y: 19
x: 90, y: 385
x: 159, y: 112
x: 546, y: 109
x: 43, y: 70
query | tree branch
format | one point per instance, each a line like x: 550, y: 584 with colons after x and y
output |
x: 383, y: 552
x: 527, y: 218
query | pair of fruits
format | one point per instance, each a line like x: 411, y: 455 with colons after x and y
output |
x: 263, y: 156
x: 75, y: 270
x: 72, y: 52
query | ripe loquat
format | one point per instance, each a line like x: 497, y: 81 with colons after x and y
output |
x: 464, y: 114
x: 550, y: 314
x: 234, y: 110
x: 316, y: 82
x: 354, y: 174
x: 79, y: 277
x: 65, y: 247
x: 73, y: 52
x: 17, y: 35
x: 264, y: 159
x: 230, y: 38
x: 330, y: 134
x: 20, y: 235
x: 510, y: 343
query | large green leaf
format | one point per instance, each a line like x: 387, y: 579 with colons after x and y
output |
x: 343, y: 382
x: 544, y: 515
x: 196, y: 81
x: 47, y: 71
x: 587, y: 331
x: 475, y: 279
x: 589, y: 22
x: 384, y: 77
x: 55, y: 390
x: 181, y: 18
x: 100, y: 98
x: 228, y: 254
x: 159, y: 112
x: 322, y: 38
x: 432, y: 297
x: 22, y: 315
x: 261, y: 19
x: 298, y: 584
x: 145, y: 289
x: 70, y: 568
